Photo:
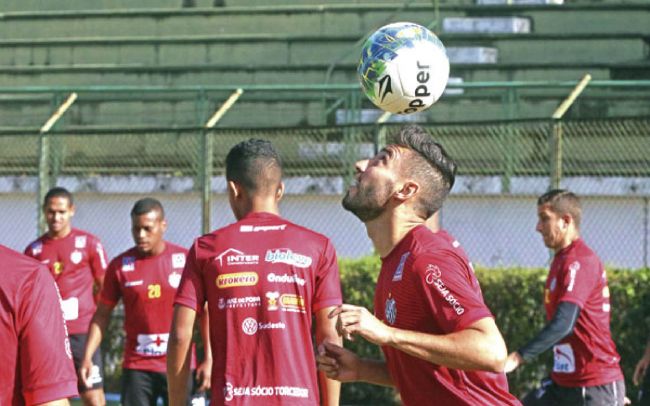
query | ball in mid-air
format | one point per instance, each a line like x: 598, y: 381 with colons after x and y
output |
x: 403, y: 68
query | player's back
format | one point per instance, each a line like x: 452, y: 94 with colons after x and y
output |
x: 264, y: 277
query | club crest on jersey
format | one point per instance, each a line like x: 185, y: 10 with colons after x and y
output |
x: 128, y: 264
x: 390, y: 311
x: 37, y: 248
x: 80, y: 241
x: 397, y: 276
x: 433, y: 273
x: 76, y: 257
x: 174, y: 279
x: 178, y: 260
x: 272, y: 298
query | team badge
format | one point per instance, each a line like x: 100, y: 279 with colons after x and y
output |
x: 57, y: 268
x: 174, y: 279
x: 76, y: 257
x: 272, y: 300
x: 391, y: 310
x: 178, y: 260
x: 397, y: 276
x: 80, y: 241
x: 128, y: 264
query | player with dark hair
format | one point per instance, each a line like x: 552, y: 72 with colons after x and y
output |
x: 576, y: 297
x: 77, y: 261
x: 145, y: 277
x: 439, y: 338
x: 36, y: 362
x: 264, y: 279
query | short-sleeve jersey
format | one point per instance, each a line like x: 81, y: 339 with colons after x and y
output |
x: 147, y: 286
x: 77, y: 261
x: 36, y: 360
x: 427, y: 284
x: 262, y: 277
x: 588, y: 357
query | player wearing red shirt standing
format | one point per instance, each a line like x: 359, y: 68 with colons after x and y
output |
x: 439, y: 338
x: 576, y: 297
x: 77, y: 261
x: 37, y: 365
x: 263, y: 277
x: 145, y: 277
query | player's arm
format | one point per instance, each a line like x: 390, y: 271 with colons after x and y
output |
x: 178, y: 354
x: 343, y: 365
x: 562, y: 324
x: 98, y: 326
x: 98, y: 267
x: 642, y: 366
x: 204, y: 370
x: 326, y: 332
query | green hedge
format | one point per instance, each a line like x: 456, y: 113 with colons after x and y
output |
x: 515, y: 298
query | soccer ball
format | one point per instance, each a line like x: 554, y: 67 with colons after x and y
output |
x: 403, y: 68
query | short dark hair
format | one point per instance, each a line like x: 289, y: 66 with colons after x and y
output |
x: 146, y: 205
x: 58, y: 192
x: 563, y: 202
x: 255, y: 165
x: 431, y: 165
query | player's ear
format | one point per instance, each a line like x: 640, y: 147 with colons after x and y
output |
x: 566, y: 221
x: 408, y: 190
x: 279, y: 192
x: 72, y: 209
x: 234, y: 189
x: 163, y: 224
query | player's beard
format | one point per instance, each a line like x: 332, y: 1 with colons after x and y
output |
x: 369, y: 201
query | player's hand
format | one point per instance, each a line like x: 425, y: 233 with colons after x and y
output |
x: 204, y: 375
x: 337, y: 362
x: 357, y: 320
x: 641, y: 368
x: 512, y: 362
x: 85, y: 371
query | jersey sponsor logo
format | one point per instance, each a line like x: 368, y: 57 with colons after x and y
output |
x: 178, y: 260
x: 250, y: 326
x: 292, y: 303
x: 230, y: 391
x: 255, y: 229
x: 286, y: 256
x: 174, y: 279
x: 57, y: 267
x: 433, y: 276
x: 230, y: 280
x: 100, y: 254
x: 390, y: 310
x: 128, y: 264
x: 37, y: 248
x: 235, y: 257
x: 573, y: 271
x: 80, y: 241
x: 272, y: 300
x: 397, y: 276
x: 152, y: 345
x: 238, y: 302
x: 130, y: 284
x: 285, y: 279
x: 76, y: 257
x: 70, y: 307
x: 564, y: 361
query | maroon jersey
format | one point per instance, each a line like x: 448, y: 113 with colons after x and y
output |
x: 77, y: 261
x: 36, y: 360
x: 426, y: 284
x: 147, y: 286
x: 262, y: 277
x: 588, y: 357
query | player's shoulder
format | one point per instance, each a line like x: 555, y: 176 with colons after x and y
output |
x: 18, y: 268
x: 80, y: 235
x: 436, y: 248
x: 123, y: 259
x: 174, y: 248
x: 579, y: 252
x: 35, y: 247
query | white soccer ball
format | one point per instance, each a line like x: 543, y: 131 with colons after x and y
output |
x: 403, y: 68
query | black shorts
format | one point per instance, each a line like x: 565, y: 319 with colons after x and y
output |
x: 644, y: 392
x: 78, y: 346
x: 142, y: 388
x: 551, y: 394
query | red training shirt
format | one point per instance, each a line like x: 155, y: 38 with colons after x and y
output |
x: 77, y: 261
x: 588, y: 357
x: 147, y: 285
x: 427, y: 284
x: 262, y: 277
x: 36, y: 360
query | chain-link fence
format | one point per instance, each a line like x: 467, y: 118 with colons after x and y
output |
x: 503, y: 167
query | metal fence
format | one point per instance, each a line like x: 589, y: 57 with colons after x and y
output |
x: 503, y: 166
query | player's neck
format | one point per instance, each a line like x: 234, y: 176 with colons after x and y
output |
x: 387, y: 230
x: 155, y: 251
x: 569, y: 239
x: 263, y: 205
x: 57, y: 235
